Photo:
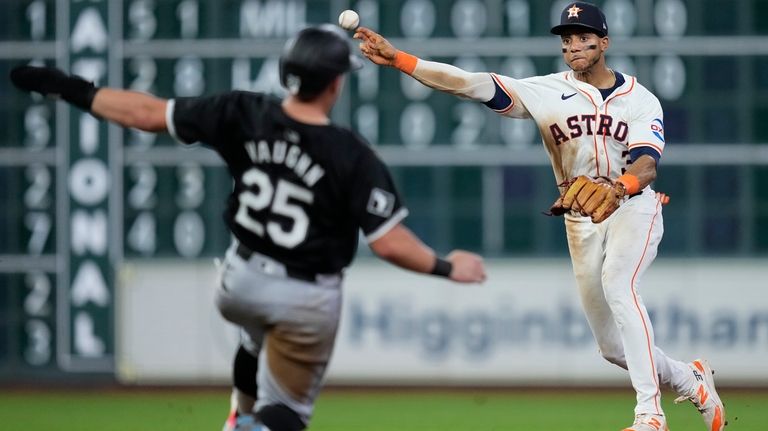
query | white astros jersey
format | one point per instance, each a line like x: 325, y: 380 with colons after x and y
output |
x: 593, y: 132
x: 584, y: 134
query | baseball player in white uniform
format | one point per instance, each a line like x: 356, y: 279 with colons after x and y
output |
x: 601, y: 123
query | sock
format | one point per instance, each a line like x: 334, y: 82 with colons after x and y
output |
x: 244, y: 377
x: 278, y: 417
x: 676, y: 374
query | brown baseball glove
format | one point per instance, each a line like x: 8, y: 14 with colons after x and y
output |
x: 597, y: 198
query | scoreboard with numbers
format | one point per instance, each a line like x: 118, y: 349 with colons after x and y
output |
x: 79, y: 196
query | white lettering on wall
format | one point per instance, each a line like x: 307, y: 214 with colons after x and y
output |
x: 89, y: 232
x: 89, y: 134
x: 92, y: 69
x: 267, y: 80
x: 89, y: 286
x: 89, y: 32
x: 89, y: 181
x: 272, y: 18
x: 87, y: 344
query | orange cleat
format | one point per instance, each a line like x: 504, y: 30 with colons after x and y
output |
x: 704, y: 396
x: 649, y: 422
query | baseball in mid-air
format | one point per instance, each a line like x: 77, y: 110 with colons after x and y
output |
x: 349, y: 20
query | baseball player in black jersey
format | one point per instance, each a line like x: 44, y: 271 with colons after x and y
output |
x: 303, y: 188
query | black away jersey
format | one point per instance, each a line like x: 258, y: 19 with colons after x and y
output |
x: 301, y: 191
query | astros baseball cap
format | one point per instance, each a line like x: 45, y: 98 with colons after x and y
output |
x: 582, y: 16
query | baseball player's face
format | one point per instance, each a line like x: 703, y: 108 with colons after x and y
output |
x: 581, y: 51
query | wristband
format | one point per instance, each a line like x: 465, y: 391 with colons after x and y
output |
x: 405, y: 62
x: 630, y: 182
x: 442, y: 268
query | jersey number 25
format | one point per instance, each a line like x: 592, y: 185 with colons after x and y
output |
x: 261, y: 198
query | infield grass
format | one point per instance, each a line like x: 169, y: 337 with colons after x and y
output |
x: 166, y: 410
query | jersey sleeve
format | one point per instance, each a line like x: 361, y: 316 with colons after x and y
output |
x: 209, y: 120
x: 513, y: 97
x: 646, y: 127
x: 453, y: 80
x: 374, y: 200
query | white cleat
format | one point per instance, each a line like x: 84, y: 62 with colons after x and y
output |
x: 648, y: 422
x: 704, y: 396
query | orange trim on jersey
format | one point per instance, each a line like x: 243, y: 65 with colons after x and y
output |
x: 507, y: 92
x: 640, y: 311
x: 631, y: 87
x: 610, y: 99
x: 605, y: 151
x: 646, y: 144
x: 594, y: 132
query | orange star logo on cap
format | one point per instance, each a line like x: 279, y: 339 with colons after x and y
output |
x: 573, y: 11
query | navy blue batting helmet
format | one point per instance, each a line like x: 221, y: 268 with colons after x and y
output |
x: 312, y: 59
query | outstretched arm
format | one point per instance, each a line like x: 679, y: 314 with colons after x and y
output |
x: 131, y: 109
x: 440, y: 76
x: 400, y: 247
x: 126, y: 108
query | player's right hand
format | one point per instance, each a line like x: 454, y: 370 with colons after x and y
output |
x: 662, y: 197
x: 467, y: 267
x: 375, y: 47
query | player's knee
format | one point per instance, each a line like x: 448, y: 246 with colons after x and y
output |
x: 619, y: 299
x: 614, y: 356
x: 616, y: 284
x: 279, y: 417
x: 244, y: 372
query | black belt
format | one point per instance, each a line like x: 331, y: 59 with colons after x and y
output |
x: 299, y: 274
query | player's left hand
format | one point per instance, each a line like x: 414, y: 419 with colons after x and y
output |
x: 467, y: 267
x: 50, y: 81
x: 597, y: 198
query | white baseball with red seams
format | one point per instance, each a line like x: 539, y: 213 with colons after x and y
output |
x: 349, y: 20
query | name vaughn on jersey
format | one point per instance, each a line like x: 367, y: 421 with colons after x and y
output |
x: 290, y: 156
